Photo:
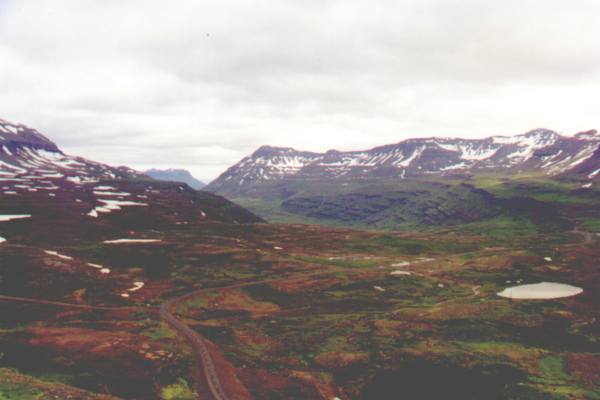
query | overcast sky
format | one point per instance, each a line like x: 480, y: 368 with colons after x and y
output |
x: 199, y: 84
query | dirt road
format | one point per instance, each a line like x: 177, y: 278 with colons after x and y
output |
x: 198, y: 346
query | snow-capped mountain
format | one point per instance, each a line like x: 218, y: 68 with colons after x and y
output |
x: 15, y: 135
x: 28, y: 157
x: 540, y: 149
x: 55, y: 190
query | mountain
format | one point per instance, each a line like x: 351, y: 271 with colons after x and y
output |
x: 15, y: 135
x: 28, y: 157
x: 538, y: 150
x: 175, y: 175
x: 417, y: 182
x: 38, y: 179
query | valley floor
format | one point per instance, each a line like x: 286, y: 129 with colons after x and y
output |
x: 302, y: 312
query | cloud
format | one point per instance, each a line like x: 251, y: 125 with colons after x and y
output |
x: 201, y: 84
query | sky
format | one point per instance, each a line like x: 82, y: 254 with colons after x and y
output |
x: 201, y: 84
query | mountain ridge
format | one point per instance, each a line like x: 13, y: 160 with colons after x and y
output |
x: 588, y: 134
x: 539, y: 149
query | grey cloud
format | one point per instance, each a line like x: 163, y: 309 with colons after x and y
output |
x: 201, y: 84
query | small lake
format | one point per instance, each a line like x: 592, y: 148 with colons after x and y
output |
x: 542, y: 290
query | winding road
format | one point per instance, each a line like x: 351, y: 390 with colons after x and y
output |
x: 198, y: 346
x: 196, y: 341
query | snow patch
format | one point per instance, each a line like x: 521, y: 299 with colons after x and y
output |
x: 136, y: 286
x: 455, y: 166
x: 112, y: 205
x: 10, y: 217
x: 593, y: 174
x: 401, y: 264
x: 400, y: 273
x: 57, y: 254
x: 104, y: 193
x: 118, y: 241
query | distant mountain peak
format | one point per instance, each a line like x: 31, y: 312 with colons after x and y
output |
x: 592, y: 134
x: 540, y: 131
x: 175, y: 175
x: 269, y: 151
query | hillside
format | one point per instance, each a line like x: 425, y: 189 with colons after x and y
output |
x: 79, y: 195
x: 79, y: 240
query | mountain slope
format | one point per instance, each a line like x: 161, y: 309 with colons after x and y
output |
x: 84, y: 249
x: 175, y: 175
x: 79, y: 196
x: 389, y: 206
x: 29, y: 157
x: 13, y: 135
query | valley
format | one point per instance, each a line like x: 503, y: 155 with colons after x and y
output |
x: 309, y: 312
x: 117, y: 286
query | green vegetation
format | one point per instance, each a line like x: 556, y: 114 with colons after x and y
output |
x: 178, y: 391
x: 552, y: 369
x: 497, y: 206
x: 338, y: 262
x: 158, y: 331
x: 383, y: 205
x: 592, y: 224
x: 386, y: 244
x: 501, y: 229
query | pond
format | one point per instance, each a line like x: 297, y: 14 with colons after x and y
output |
x: 542, y: 290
